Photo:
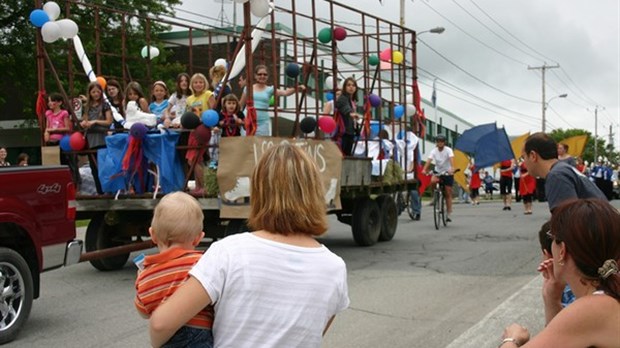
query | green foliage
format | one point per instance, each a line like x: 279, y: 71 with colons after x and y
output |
x: 19, y: 85
x: 605, y: 150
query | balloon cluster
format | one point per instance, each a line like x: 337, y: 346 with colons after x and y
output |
x: 387, y: 55
x: 259, y: 8
x: 52, y: 29
x: 149, y: 51
x: 326, y: 34
x: 325, y: 123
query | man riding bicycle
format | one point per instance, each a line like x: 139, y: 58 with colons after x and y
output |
x: 443, y: 159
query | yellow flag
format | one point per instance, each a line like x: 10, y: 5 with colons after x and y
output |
x: 517, y: 144
x: 461, y: 161
x: 576, y: 144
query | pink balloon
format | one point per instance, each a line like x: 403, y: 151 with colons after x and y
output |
x: 386, y: 55
x: 340, y: 33
x: 327, y: 124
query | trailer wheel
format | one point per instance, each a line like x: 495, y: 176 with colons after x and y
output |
x: 389, y: 217
x: 237, y: 226
x: 99, y: 236
x: 16, y: 294
x: 366, y: 224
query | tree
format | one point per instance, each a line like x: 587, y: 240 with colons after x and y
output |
x: 588, y: 153
x: 18, y: 87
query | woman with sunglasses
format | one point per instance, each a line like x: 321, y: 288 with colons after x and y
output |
x: 585, y: 245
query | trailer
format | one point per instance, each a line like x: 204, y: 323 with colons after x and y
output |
x: 381, y: 56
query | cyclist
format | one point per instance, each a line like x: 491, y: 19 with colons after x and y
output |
x: 443, y: 159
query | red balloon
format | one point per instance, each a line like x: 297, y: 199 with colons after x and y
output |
x: 77, y: 141
x: 327, y: 124
x: 340, y: 33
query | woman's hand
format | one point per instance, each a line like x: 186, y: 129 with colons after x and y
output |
x: 518, y: 332
x: 85, y: 124
x: 552, y: 288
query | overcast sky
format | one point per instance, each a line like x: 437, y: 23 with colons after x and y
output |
x: 581, y: 36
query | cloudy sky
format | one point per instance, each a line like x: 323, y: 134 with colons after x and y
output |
x: 481, y: 61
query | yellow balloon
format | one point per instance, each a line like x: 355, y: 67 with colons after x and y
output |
x: 397, y: 57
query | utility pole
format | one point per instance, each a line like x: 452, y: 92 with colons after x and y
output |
x: 543, y: 68
x: 611, y: 136
x: 596, y: 108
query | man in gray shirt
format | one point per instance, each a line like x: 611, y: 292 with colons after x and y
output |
x: 562, y: 181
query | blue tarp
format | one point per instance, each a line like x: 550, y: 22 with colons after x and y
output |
x: 159, y: 148
x: 486, y: 143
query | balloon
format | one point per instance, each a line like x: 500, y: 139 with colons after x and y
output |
x: 386, y: 55
x: 327, y: 124
x: 373, y: 60
x: 38, y: 18
x: 202, y: 134
x: 329, y: 96
x: 329, y: 83
x: 222, y: 62
x: 397, y: 57
x: 375, y: 100
x: 325, y: 35
x: 153, y: 51
x: 68, y: 28
x: 308, y: 124
x: 340, y: 33
x: 77, y: 141
x: 374, y: 129
x: 399, y: 111
x: 102, y: 82
x: 210, y: 118
x: 410, y: 110
x: 50, y: 31
x: 409, y: 98
x: 52, y: 9
x: 189, y: 120
x: 138, y: 130
x: 292, y: 70
x: 272, y: 100
x: 385, y: 65
x: 259, y: 8
x: 65, y: 143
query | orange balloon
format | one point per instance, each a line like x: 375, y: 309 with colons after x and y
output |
x: 101, y: 81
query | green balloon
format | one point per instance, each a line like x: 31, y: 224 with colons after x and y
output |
x: 272, y: 101
x: 325, y: 35
x: 373, y: 60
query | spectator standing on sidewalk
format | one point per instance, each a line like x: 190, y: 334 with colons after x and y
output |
x: 505, y: 182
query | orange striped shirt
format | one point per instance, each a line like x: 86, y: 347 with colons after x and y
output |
x: 163, y: 273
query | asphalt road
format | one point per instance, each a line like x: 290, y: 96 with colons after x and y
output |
x: 425, y: 288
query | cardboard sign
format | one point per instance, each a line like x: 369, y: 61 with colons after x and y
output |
x: 50, y: 155
x: 239, y: 155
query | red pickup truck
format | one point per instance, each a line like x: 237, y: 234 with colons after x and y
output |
x: 37, y: 233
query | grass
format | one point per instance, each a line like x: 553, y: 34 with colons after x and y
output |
x: 81, y: 223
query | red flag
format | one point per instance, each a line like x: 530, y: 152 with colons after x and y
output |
x: 424, y: 179
x: 40, y: 108
x: 250, y: 118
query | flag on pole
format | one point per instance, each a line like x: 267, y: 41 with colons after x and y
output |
x: 434, y: 97
x: 576, y: 144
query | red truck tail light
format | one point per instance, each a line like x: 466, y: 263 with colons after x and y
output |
x: 71, y: 202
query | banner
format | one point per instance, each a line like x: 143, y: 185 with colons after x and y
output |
x: 239, y: 155
x: 576, y: 144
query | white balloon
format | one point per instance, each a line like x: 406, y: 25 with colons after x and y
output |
x: 221, y: 61
x: 259, y: 8
x: 52, y: 9
x: 68, y: 28
x: 329, y: 83
x: 152, y: 51
x: 410, y: 110
x: 409, y: 98
x: 50, y: 31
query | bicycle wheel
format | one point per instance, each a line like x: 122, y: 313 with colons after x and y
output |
x: 409, y: 205
x: 436, y: 208
x: 399, y: 200
x: 444, y: 212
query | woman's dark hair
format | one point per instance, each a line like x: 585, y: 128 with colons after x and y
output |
x: 590, y: 229
x: 543, y: 145
x: 180, y: 92
x: 344, y: 85
x: 543, y: 238
x: 57, y: 97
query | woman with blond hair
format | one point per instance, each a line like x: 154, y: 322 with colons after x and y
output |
x: 585, y: 246
x: 277, y: 286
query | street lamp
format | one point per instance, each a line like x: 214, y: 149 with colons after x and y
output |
x: 544, y: 120
x: 437, y: 30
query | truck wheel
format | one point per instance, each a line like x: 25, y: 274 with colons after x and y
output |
x: 237, y: 226
x: 100, y: 236
x: 16, y: 294
x: 389, y: 217
x: 366, y: 224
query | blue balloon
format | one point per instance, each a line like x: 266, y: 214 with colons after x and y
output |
x: 329, y: 96
x: 292, y: 70
x: 399, y: 111
x: 210, y: 118
x: 65, y: 143
x: 38, y: 18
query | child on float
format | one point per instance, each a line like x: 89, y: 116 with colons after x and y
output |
x: 159, y: 101
x: 177, y: 104
x: 231, y: 116
x: 176, y: 228
x: 117, y: 99
x: 197, y: 103
x: 57, y: 121
x: 137, y: 108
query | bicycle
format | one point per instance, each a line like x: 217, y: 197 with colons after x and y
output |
x: 403, y: 202
x: 439, y: 201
